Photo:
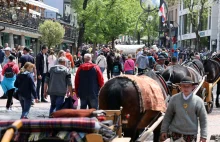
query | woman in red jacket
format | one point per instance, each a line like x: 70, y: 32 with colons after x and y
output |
x: 9, y: 72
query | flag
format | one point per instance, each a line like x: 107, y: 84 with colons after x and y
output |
x: 162, y: 12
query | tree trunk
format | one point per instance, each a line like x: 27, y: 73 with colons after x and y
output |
x: 113, y: 42
x: 197, y: 41
x: 82, y: 28
x: 138, y: 38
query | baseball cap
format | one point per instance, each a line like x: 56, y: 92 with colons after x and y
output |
x: 7, y: 49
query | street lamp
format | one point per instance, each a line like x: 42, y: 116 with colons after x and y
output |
x: 148, y: 6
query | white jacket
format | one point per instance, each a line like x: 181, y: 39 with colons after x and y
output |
x: 101, y: 61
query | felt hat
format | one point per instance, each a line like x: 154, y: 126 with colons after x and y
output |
x: 187, y: 80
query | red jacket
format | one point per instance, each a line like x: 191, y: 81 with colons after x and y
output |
x: 15, y: 68
x: 87, y: 67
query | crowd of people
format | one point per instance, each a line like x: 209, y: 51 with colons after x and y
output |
x: 29, y: 79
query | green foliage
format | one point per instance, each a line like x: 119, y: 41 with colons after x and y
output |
x: 107, y: 19
x: 51, y: 32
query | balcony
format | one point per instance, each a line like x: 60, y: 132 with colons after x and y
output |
x: 23, y: 20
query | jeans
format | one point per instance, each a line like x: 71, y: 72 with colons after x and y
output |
x: 102, y: 69
x: 129, y: 72
x: 40, y: 83
x: 56, y: 103
x: 25, y: 105
x: 91, y: 102
x: 10, y: 94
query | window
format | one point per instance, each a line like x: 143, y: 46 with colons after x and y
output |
x: 176, y: 16
x: 184, y: 24
x: 171, y: 15
x: 181, y: 25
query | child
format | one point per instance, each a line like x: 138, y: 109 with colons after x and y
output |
x: 26, y: 88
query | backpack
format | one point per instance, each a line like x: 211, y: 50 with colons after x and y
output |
x: 9, y: 72
x: 116, y: 69
x: 151, y: 63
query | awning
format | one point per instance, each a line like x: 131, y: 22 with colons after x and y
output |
x: 41, y: 4
x: 34, y: 12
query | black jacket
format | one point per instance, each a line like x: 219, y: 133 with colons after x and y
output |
x: 40, y: 63
x: 25, y: 85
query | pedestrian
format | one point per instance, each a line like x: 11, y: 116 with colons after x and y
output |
x: 173, y: 61
x: 26, y: 88
x: 129, y: 65
x: 62, y: 53
x: 116, y: 67
x: 26, y: 57
x: 88, y: 82
x: 151, y: 60
x: 52, y: 59
x: 7, y: 54
x: 2, y: 54
x: 184, y: 112
x: 101, y: 62
x: 42, y: 69
x: 142, y: 62
x: 57, y: 91
x: 160, y: 65
x: 9, y: 72
x: 69, y: 57
x: 110, y: 60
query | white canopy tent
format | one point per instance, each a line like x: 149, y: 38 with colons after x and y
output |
x: 129, y: 49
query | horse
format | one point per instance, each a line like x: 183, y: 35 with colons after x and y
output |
x: 212, y: 69
x: 122, y: 91
x: 174, y: 74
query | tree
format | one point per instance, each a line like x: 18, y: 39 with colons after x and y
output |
x: 105, y: 20
x: 52, y: 33
x: 198, y: 11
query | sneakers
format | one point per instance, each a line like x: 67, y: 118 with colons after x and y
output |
x: 9, y: 109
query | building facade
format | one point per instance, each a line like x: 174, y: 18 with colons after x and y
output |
x: 186, y: 32
x: 19, y: 22
x: 68, y: 18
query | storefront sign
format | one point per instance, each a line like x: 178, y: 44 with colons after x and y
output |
x: 201, y: 34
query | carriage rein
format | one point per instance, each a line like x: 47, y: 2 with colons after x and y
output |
x: 170, y: 84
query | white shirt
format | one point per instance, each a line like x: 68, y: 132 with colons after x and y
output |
x: 45, y: 63
x: 186, y: 98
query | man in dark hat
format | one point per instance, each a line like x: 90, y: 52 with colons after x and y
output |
x: 160, y: 65
x: 183, y: 113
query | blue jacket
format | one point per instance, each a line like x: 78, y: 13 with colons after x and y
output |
x: 25, y: 84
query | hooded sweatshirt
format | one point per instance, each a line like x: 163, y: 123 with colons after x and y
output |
x: 25, y: 84
x: 101, y: 61
x: 142, y: 62
x: 88, y: 80
x: 58, y: 79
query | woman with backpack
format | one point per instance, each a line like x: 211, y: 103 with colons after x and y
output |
x: 26, y: 88
x: 9, y: 72
x: 116, y: 67
x: 129, y: 65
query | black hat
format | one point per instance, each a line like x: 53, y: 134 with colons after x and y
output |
x: 161, y: 57
x: 187, y: 80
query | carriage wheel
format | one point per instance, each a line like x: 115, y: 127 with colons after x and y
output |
x: 209, y: 106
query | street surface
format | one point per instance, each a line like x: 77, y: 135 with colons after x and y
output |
x: 41, y: 110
